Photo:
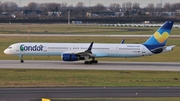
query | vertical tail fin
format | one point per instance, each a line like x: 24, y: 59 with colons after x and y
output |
x: 159, y: 38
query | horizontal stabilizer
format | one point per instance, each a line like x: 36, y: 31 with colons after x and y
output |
x: 162, y: 49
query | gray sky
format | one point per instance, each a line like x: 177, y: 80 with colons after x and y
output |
x: 143, y: 3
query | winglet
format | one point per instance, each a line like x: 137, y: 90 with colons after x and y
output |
x: 90, y: 47
x: 122, y: 42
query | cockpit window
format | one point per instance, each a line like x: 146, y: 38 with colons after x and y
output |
x: 9, y: 47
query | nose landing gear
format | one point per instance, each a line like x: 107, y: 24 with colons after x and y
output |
x: 21, y: 59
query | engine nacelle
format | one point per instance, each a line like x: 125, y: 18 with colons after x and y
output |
x: 69, y: 57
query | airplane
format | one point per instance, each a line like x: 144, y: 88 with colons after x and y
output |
x: 85, y: 51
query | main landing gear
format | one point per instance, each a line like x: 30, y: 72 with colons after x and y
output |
x: 21, y: 59
x: 90, y: 62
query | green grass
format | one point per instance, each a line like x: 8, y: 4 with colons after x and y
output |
x: 59, y: 78
x: 172, y: 56
x: 76, y: 29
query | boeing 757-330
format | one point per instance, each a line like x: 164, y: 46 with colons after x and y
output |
x: 90, y: 51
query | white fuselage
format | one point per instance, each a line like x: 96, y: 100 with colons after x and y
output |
x: 98, y: 49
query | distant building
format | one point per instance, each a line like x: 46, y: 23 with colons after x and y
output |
x: 147, y: 22
x: 7, y: 15
x: 88, y: 14
x: 53, y: 13
x: 28, y: 12
x: 76, y: 22
x: 169, y: 14
x: 178, y: 12
x: 103, y: 14
x: 119, y: 14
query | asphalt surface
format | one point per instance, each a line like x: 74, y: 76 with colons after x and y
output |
x: 36, y: 64
x: 35, y: 94
x: 87, y: 92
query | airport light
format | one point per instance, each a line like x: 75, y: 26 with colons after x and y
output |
x: 69, y: 12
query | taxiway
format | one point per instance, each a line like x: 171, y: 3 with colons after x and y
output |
x: 88, y: 92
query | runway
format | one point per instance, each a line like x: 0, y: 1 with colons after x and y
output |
x: 29, y: 94
x: 88, y: 92
x: 36, y: 64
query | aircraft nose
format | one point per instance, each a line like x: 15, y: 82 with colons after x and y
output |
x: 6, y: 51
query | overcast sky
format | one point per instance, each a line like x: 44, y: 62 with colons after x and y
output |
x: 143, y: 3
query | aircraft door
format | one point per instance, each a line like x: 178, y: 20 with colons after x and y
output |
x: 17, y: 49
x: 117, y: 49
x: 45, y: 49
x: 143, y: 50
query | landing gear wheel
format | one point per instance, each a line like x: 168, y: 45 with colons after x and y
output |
x: 22, y: 61
x: 95, y: 61
x: 87, y: 62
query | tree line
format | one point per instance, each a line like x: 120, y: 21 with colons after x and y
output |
x: 80, y: 10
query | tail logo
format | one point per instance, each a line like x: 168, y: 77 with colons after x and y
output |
x: 161, y: 37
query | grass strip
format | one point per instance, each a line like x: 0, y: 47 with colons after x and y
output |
x: 64, y: 78
x: 76, y: 29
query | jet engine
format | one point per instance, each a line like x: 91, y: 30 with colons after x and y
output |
x: 70, y: 57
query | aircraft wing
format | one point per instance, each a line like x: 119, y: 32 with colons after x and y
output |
x: 83, y: 53
x: 86, y: 52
